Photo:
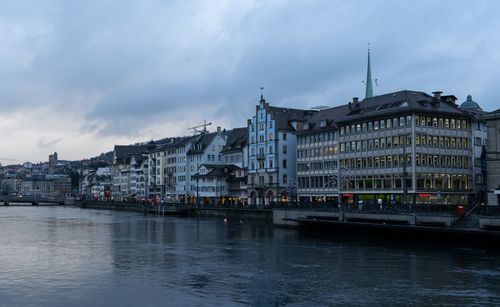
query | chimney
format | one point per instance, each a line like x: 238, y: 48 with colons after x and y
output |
x: 355, y: 101
x: 437, y: 95
x: 350, y: 107
x: 218, y: 129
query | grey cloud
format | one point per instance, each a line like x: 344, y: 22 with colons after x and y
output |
x: 149, y: 58
x: 43, y: 143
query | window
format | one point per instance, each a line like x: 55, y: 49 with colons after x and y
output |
x: 284, y: 136
x: 261, y: 126
x: 284, y: 149
x: 285, y: 179
x: 477, y: 141
x: 284, y: 164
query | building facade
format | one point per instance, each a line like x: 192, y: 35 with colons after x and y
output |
x: 493, y: 157
x: 272, y: 153
x: 402, y: 147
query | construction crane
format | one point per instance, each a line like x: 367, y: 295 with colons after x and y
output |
x: 204, y: 125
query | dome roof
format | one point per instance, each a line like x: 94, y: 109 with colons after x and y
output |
x: 470, y: 104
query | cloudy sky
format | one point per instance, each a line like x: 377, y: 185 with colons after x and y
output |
x: 78, y: 77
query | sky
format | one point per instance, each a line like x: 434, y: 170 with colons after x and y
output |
x: 78, y: 77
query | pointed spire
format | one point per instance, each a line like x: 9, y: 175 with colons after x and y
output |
x: 262, y: 100
x: 369, y: 84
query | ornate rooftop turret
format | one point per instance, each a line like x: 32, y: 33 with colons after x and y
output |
x: 470, y: 104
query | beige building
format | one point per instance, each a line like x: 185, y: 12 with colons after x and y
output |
x: 493, y: 157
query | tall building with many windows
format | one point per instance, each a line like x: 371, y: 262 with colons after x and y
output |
x: 317, y: 156
x: 272, y: 153
x: 401, y: 147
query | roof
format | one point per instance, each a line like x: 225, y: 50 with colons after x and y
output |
x: 173, y: 142
x: 124, y: 152
x: 493, y: 115
x: 470, y: 104
x: 202, y: 143
x: 236, y: 139
x: 403, y: 102
x: 220, y: 170
x: 285, y: 116
x: 325, y: 119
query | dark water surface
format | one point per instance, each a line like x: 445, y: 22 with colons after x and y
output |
x: 54, y: 256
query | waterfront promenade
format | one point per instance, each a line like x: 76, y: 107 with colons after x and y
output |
x: 435, y: 222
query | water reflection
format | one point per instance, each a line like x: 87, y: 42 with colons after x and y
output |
x: 67, y: 256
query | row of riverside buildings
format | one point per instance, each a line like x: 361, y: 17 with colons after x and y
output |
x: 402, y: 147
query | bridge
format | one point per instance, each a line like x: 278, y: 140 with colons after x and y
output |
x: 33, y: 200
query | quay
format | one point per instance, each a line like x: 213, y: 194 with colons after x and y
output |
x: 475, y: 224
x: 182, y: 209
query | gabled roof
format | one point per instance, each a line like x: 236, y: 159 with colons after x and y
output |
x: 237, y: 138
x: 202, y: 143
x: 122, y: 151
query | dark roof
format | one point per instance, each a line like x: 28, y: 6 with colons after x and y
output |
x: 402, y: 102
x: 202, y: 143
x: 236, y: 139
x: 223, y: 170
x: 285, y: 116
x: 493, y: 115
x: 325, y: 119
x: 124, y: 152
x: 172, y: 142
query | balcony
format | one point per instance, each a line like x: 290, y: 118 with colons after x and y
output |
x: 260, y: 156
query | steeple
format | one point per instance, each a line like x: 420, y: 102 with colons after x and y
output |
x: 369, y: 85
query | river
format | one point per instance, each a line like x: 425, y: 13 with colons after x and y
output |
x: 64, y: 256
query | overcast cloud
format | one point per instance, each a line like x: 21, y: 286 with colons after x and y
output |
x: 78, y: 77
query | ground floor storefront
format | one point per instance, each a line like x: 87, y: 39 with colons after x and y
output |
x: 432, y: 198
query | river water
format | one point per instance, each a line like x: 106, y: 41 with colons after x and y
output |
x: 60, y: 256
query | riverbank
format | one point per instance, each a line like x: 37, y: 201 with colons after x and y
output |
x: 178, y: 209
x: 433, y: 226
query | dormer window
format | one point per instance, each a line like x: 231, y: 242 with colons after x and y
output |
x: 306, y: 126
x: 322, y: 123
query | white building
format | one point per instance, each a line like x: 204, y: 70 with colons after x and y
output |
x: 204, y: 150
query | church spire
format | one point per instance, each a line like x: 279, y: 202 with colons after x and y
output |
x: 369, y: 84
